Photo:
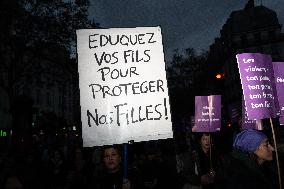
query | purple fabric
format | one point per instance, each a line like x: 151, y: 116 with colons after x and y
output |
x: 248, y: 140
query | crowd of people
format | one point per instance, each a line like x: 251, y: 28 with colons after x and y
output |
x: 196, y: 164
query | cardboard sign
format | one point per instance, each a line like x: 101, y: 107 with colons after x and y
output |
x: 207, y: 113
x: 278, y: 68
x: 123, y: 86
x: 258, y: 85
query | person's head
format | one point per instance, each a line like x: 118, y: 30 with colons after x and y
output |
x: 264, y: 151
x: 254, y: 142
x: 204, y: 141
x: 111, y: 158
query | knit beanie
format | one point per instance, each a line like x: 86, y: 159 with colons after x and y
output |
x: 248, y: 140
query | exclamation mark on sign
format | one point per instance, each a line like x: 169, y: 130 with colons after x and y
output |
x: 166, y: 109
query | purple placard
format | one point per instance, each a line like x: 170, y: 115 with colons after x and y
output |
x: 258, y: 85
x: 278, y: 68
x: 207, y: 113
x: 247, y: 123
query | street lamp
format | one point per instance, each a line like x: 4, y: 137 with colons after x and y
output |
x: 220, y: 75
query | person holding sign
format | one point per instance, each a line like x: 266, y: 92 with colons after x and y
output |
x: 197, y: 171
x: 245, y: 168
x: 112, y: 176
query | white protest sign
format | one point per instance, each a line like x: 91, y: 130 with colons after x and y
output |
x: 123, y: 86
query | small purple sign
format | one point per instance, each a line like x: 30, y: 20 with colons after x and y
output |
x: 279, y: 80
x: 258, y: 85
x: 247, y: 123
x: 207, y: 113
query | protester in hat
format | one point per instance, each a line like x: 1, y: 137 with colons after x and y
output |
x: 245, y: 167
x: 197, y: 170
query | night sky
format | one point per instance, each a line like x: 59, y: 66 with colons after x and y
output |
x: 184, y: 23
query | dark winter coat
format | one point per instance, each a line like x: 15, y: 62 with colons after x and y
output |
x: 239, y: 171
x: 195, y: 163
x: 105, y: 180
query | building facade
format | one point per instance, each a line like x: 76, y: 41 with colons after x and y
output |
x: 254, y: 29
